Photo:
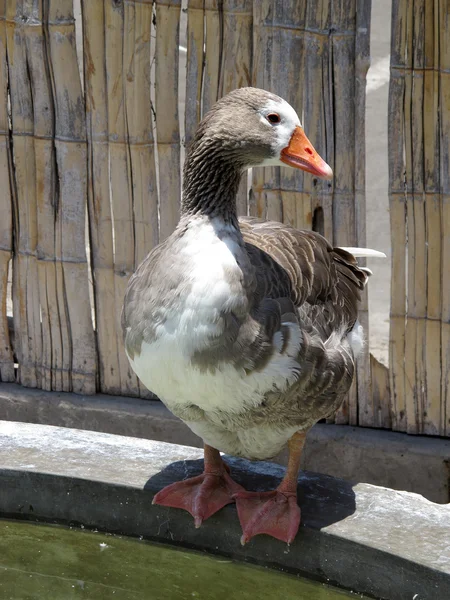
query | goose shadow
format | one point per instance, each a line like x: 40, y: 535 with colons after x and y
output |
x: 323, y: 499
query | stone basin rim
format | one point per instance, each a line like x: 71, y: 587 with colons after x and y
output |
x: 106, y: 482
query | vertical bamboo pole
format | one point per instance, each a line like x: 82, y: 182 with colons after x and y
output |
x: 316, y: 194
x: 443, y: 22
x: 194, y: 70
x: 368, y: 413
x: 213, y: 52
x: 266, y: 181
x: 287, y: 81
x: 432, y: 417
x: 6, y: 355
x: 56, y: 353
x: 343, y: 91
x: 167, y: 125
x: 380, y: 393
x: 261, y: 78
x: 236, y: 55
x: 397, y: 202
x: 71, y: 159
x: 99, y: 203
x: 227, y: 59
x: 120, y: 175
x: 141, y: 146
x: 418, y: 289
x: 411, y: 329
x: 27, y: 326
x: 138, y: 18
x: 416, y: 311
x: 236, y: 62
x: 342, y: 42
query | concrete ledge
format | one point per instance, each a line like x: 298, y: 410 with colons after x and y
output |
x: 388, y: 544
x: 395, y: 460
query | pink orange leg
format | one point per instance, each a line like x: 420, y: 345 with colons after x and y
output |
x: 274, y: 513
x: 204, y: 495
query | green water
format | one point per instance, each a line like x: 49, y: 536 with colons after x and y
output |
x: 55, y: 563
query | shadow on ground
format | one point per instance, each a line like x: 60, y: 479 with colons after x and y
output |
x: 323, y: 500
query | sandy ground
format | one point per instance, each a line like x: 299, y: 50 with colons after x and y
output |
x: 378, y: 229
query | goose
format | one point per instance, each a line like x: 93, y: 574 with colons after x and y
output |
x: 246, y: 329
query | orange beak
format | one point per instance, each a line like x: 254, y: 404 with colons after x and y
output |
x: 300, y: 153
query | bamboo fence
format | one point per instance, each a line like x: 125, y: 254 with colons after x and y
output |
x: 419, y: 143
x: 46, y: 160
x: 90, y: 160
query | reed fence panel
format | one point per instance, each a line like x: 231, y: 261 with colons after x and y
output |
x: 419, y: 142
x: 104, y: 137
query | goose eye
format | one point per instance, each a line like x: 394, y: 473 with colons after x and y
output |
x: 273, y: 118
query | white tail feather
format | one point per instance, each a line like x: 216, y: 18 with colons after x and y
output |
x: 364, y: 252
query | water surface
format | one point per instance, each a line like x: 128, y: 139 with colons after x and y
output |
x: 56, y: 563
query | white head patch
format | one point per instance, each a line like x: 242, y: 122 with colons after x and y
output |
x: 283, y: 130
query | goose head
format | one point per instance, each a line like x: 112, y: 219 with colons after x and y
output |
x: 250, y: 127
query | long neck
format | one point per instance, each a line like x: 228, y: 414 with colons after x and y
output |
x: 211, y: 181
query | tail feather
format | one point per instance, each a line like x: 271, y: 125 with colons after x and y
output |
x: 364, y: 252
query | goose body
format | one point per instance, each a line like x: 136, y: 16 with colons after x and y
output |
x: 247, y: 330
x: 226, y: 369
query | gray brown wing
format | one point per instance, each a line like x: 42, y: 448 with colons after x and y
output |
x: 320, y: 286
x: 323, y: 283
